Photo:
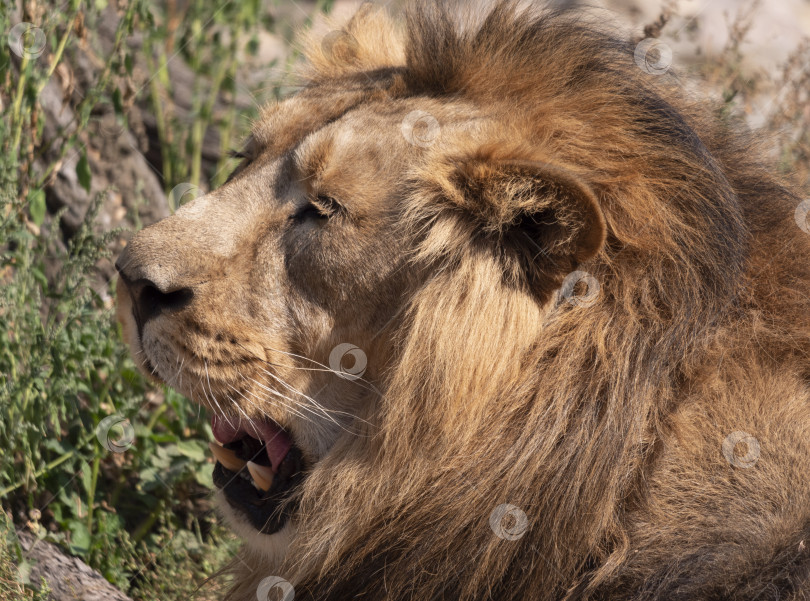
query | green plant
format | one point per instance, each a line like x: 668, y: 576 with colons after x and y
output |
x: 142, y: 516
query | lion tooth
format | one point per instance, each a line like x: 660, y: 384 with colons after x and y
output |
x: 262, y: 475
x: 226, y: 457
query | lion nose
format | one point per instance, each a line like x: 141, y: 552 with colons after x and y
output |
x: 150, y: 296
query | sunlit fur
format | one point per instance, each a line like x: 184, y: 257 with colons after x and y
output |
x: 603, y: 423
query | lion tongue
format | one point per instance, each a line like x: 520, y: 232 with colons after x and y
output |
x: 277, y: 442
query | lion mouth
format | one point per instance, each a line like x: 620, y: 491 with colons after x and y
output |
x: 258, y: 466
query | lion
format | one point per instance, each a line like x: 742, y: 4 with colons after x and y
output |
x: 489, y: 311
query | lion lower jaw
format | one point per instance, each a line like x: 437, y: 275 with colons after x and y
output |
x: 270, y: 549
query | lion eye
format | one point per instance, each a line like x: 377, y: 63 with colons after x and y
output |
x: 320, y: 207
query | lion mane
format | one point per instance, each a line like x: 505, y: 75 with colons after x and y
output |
x: 603, y: 424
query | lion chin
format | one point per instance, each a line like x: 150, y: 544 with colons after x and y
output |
x: 492, y: 309
x: 270, y: 549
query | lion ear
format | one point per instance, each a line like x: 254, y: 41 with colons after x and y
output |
x: 369, y: 41
x: 541, y: 213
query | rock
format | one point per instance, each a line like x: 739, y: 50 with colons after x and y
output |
x: 69, y: 578
x: 115, y: 161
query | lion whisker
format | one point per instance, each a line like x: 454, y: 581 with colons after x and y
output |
x: 326, y: 412
x: 315, y: 403
x: 233, y: 402
x: 282, y: 396
x: 279, y: 401
x: 181, y: 361
x: 224, y: 415
x: 323, y: 368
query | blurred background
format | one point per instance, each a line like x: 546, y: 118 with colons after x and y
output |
x: 116, y: 112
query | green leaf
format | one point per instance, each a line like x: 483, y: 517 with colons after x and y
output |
x: 24, y: 571
x: 83, y: 172
x: 86, y: 476
x: 55, y: 446
x: 83, y: 387
x: 162, y: 457
x: 79, y: 537
x: 252, y: 47
x: 204, y: 476
x: 118, y: 101
x: 149, y: 479
x: 36, y: 206
x: 130, y: 375
x: 192, y: 449
x: 40, y: 277
x: 69, y: 500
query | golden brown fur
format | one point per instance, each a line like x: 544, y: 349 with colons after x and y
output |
x: 603, y: 423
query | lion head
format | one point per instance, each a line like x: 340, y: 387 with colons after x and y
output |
x: 448, y: 307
